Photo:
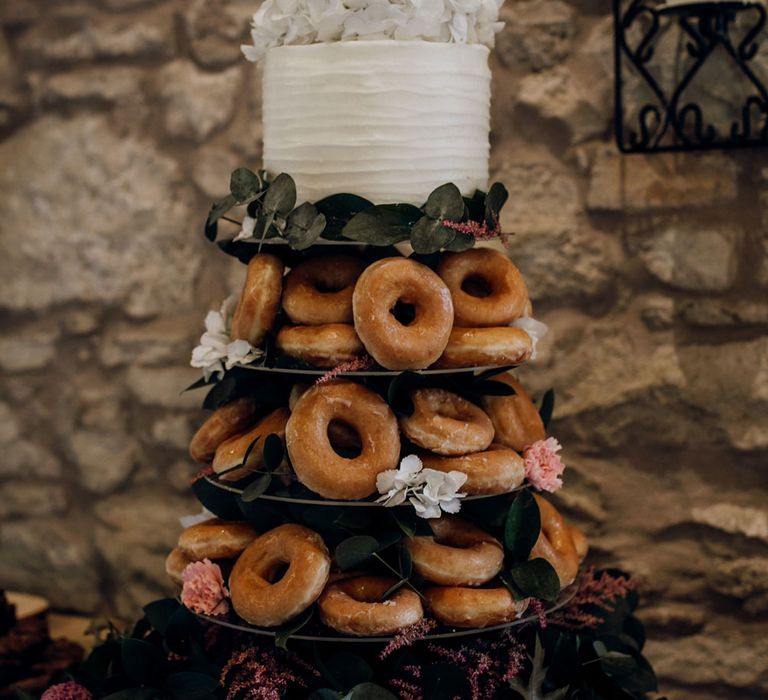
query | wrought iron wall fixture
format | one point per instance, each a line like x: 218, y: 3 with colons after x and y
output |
x: 668, y: 117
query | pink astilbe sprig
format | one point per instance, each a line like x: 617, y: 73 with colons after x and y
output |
x: 409, y: 688
x: 536, y: 606
x: 408, y: 636
x: 594, y: 591
x: 479, y: 230
x: 543, y: 466
x: 67, y: 691
x: 255, y: 673
x: 359, y: 364
x: 203, y: 590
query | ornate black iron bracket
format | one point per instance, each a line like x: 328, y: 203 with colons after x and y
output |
x: 655, y: 113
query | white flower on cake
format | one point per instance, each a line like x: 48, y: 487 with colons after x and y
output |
x: 246, y: 230
x: 216, y: 352
x: 535, y: 329
x: 429, y: 491
x: 286, y: 22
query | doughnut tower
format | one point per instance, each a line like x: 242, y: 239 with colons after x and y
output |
x: 373, y: 472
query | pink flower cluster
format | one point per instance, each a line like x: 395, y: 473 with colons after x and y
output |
x: 595, y: 592
x: 480, y: 231
x: 359, y: 364
x: 408, y: 636
x: 261, y: 674
x: 67, y: 691
x: 203, y: 590
x: 543, y: 466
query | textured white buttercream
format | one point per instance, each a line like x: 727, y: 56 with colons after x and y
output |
x: 388, y: 120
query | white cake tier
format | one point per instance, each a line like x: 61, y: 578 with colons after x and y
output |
x: 387, y: 120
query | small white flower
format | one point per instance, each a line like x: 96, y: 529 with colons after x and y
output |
x: 247, y: 229
x: 216, y: 352
x: 429, y: 491
x: 535, y: 329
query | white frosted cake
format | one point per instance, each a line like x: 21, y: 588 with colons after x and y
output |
x: 387, y: 120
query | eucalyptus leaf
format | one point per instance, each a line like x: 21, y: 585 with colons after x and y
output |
x: 355, y: 551
x: 338, y: 209
x: 460, y: 242
x: 142, y: 662
x: 287, y: 630
x: 536, y: 578
x: 188, y: 685
x: 547, y: 407
x: 405, y: 562
x: 490, y: 387
x: 217, y: 211
x: 394, y: 588
x: 273, y: 451
x: 244, y: 185
x: 281, y: 195
x: 304, y: 226
x: 369, y: 691
x: 522, y: 526
x: 445, y: 202
x: 345, y: 670
x: 324, y: 694
x: 385, y: 224
x: 495, y: 199
x: 159, y: 612
x: 221, y: 503
x: 429, y: 235
x: 256, y: 488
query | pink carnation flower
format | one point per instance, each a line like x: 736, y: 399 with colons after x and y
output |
x: 543, y: 465
x: 66, y: 691
x: 203, y: 589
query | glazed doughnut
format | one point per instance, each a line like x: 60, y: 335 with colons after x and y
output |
x: 501, y: 296
x: 580, y: 542
x: 228, y: 420
x: 457, y: 606
x: 555, y: 543
x: 259, y: 301
x: 446, y: 424
x: 340, y: 434
x: 497, y: 470
x: 515, y: 419
x: 216, y: 539
x: 175, y: 563
x: 316, y: 463
x: 260, y: 599
x: 231, y: 453
x: 319, y: 290
x: 459, y: 554
x: 323, y: 346
x: 393, y: 344
x: 355, y: 606
x: 477, y: 347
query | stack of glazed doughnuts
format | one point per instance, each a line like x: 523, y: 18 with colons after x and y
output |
x: 279, y: 574
x: 398, y: 311
x: 447, y: 431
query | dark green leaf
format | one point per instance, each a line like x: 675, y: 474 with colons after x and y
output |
x: 536, y: 578
x: 132, y: 694
x: 142, y: 662
x: 281, y: 195
x: 344, y: 670
x: 220, y: 502
x: 398, y: 393
x: 492, y: 388
x: 460, y: 242
x: 287, y: 630
x: 199, y: 384
x: 159, y: 613
x: 495, y: 199
x: 547, y: 407
x: 409, y: 523
x: 244, y: 185
x: 522, y: 526
x: 355, y: 551
x: 338, y: 209
x: 21, y: 694
x: 445, y: 202
x: 217, y: 211
x: 304, y: 226
x: 369, y: 691
x: 353, y: 518
x: 256, y: 488
x: 325, y: 694
x: 429, y: 235
x: 274, y: 451
x: 405, y: 562
x: 188, y: 685
x: 383, y: 225
x: 393, y: 588
x: 445, y: 682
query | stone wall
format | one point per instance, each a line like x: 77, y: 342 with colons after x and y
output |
x: 121, y: 119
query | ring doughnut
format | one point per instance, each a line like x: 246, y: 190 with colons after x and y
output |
x: 232, y: 453
x: 216, y: 539
x: 457, y: 606
x: 228, y: 420
x: 259, y: 301
x: 515, y: 419
x: 459, y: 554
x: 502, y: 293
x: 446, y: 424
x: 580, y: 542
x: 316, y: 463
x: 355, y: 606
x: 497, y: 470
x: 340, y: 434
x: 555, y: 543
x: 319, y: 290
x: 395, y: 345
x: 175, y: 563
x: 258, y: 596
x: 477, y: 347
x: 323, y: 346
